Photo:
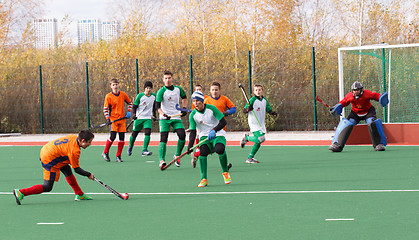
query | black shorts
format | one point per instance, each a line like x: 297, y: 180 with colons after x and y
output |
x: 371, y: 114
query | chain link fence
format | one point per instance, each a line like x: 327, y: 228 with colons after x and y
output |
x: 73, y: 93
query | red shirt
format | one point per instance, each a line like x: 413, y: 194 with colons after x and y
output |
x: 363, y: 104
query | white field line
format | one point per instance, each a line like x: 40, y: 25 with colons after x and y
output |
x: 340, y: 219
x: 50, y: 223
x: 249, y: 192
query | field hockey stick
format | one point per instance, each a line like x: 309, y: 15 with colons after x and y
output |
x: 123, y: 196
x: 318, y: 99
x: 327, y: 105
x: 182, y: 109
x: 129, y: 125
x: 183, y: 154
x: 247, y: 100
x: 107, y: 123
x: 158, y: 119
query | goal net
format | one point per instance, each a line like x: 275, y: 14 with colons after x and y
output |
x: 384, y: 68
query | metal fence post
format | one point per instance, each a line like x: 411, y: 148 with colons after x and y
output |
x: 87, y: 96
x: 137, y: 76
x: 41, y: 99
x: 191, y: 74
x: 313, y: 58
x: 249, y: 58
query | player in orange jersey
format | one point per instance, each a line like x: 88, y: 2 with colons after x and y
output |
x: 220, y: 101
x: 114, y: 109
x: 56, y: 156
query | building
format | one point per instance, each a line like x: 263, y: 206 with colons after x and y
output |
x: 89, y: 30
x: 45, y: 32
x: 110, y: 30
x: 94, y: 30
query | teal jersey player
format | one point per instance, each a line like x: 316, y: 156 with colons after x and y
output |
x: 166, y: 100
x: 143, y: 111
x: 208, y: 122
x: 256, y: 109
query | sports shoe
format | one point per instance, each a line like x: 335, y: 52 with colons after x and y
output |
x: 380, y: 147
x: 177, y: 163
x: 193, y: 161
x: 229, y: 165
x: 244, y: 140
x: 227, y: 178
x: 106, y: 157
x: 129, y: 151
x: 162, y: 164
x: 18, y: 195
x: 203, y: 183
x: 146, y: 153
x: 335, y: 147
x: 251, y: 160
x: 82, y: 197
x: 119, y: 159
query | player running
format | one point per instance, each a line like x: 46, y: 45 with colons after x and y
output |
x: 257, y: 108
x: 223, y: 104
x: 56, y: 156
x: 143, y: 110
x: 167, y: 98
x: 114, y: 109
x: 362, y: 109
x: 209, y: 122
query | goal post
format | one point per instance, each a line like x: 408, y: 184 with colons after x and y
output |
x: 384, y: 68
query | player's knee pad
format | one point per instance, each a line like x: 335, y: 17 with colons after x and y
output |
x: 376, y: 130
x: 204, y: 150
x: 164, y: 136
x: 219, y: 148
x: 47, y: 186
x: 261, y: 139
x: 147, y: 131
x: 343, y: 131
x: 181, y: 133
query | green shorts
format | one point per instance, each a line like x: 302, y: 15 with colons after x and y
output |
x: 141, y: 123
x: 165, y: 124
x: 211, y: 143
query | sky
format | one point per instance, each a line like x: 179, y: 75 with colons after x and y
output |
x: 76, y: 9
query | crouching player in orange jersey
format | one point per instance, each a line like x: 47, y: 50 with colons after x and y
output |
x: 56, y: 156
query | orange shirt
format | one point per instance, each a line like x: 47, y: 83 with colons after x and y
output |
x: 61, y: 152
x: 222, y: 103
x: 114, y: 105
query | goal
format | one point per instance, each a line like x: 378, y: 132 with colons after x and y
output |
x: 384, y: 68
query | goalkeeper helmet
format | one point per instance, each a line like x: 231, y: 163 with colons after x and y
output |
x: 357, y: 86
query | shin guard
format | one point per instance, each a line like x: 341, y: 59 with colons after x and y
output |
x: 342, y: 133
x: 376, y: 130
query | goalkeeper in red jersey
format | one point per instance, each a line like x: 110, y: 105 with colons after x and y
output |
x: 57, y: 156
x: 362, y: 109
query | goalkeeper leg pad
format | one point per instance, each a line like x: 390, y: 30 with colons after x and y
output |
x: 378, y: 137
x: 342, y: 133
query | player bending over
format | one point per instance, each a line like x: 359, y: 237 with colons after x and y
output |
x: 257, y: 108
x: 114, y: 109
x: 56, y: 156
x: 143, y: 111
x: 362, y: 109
x: 209, y: 122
